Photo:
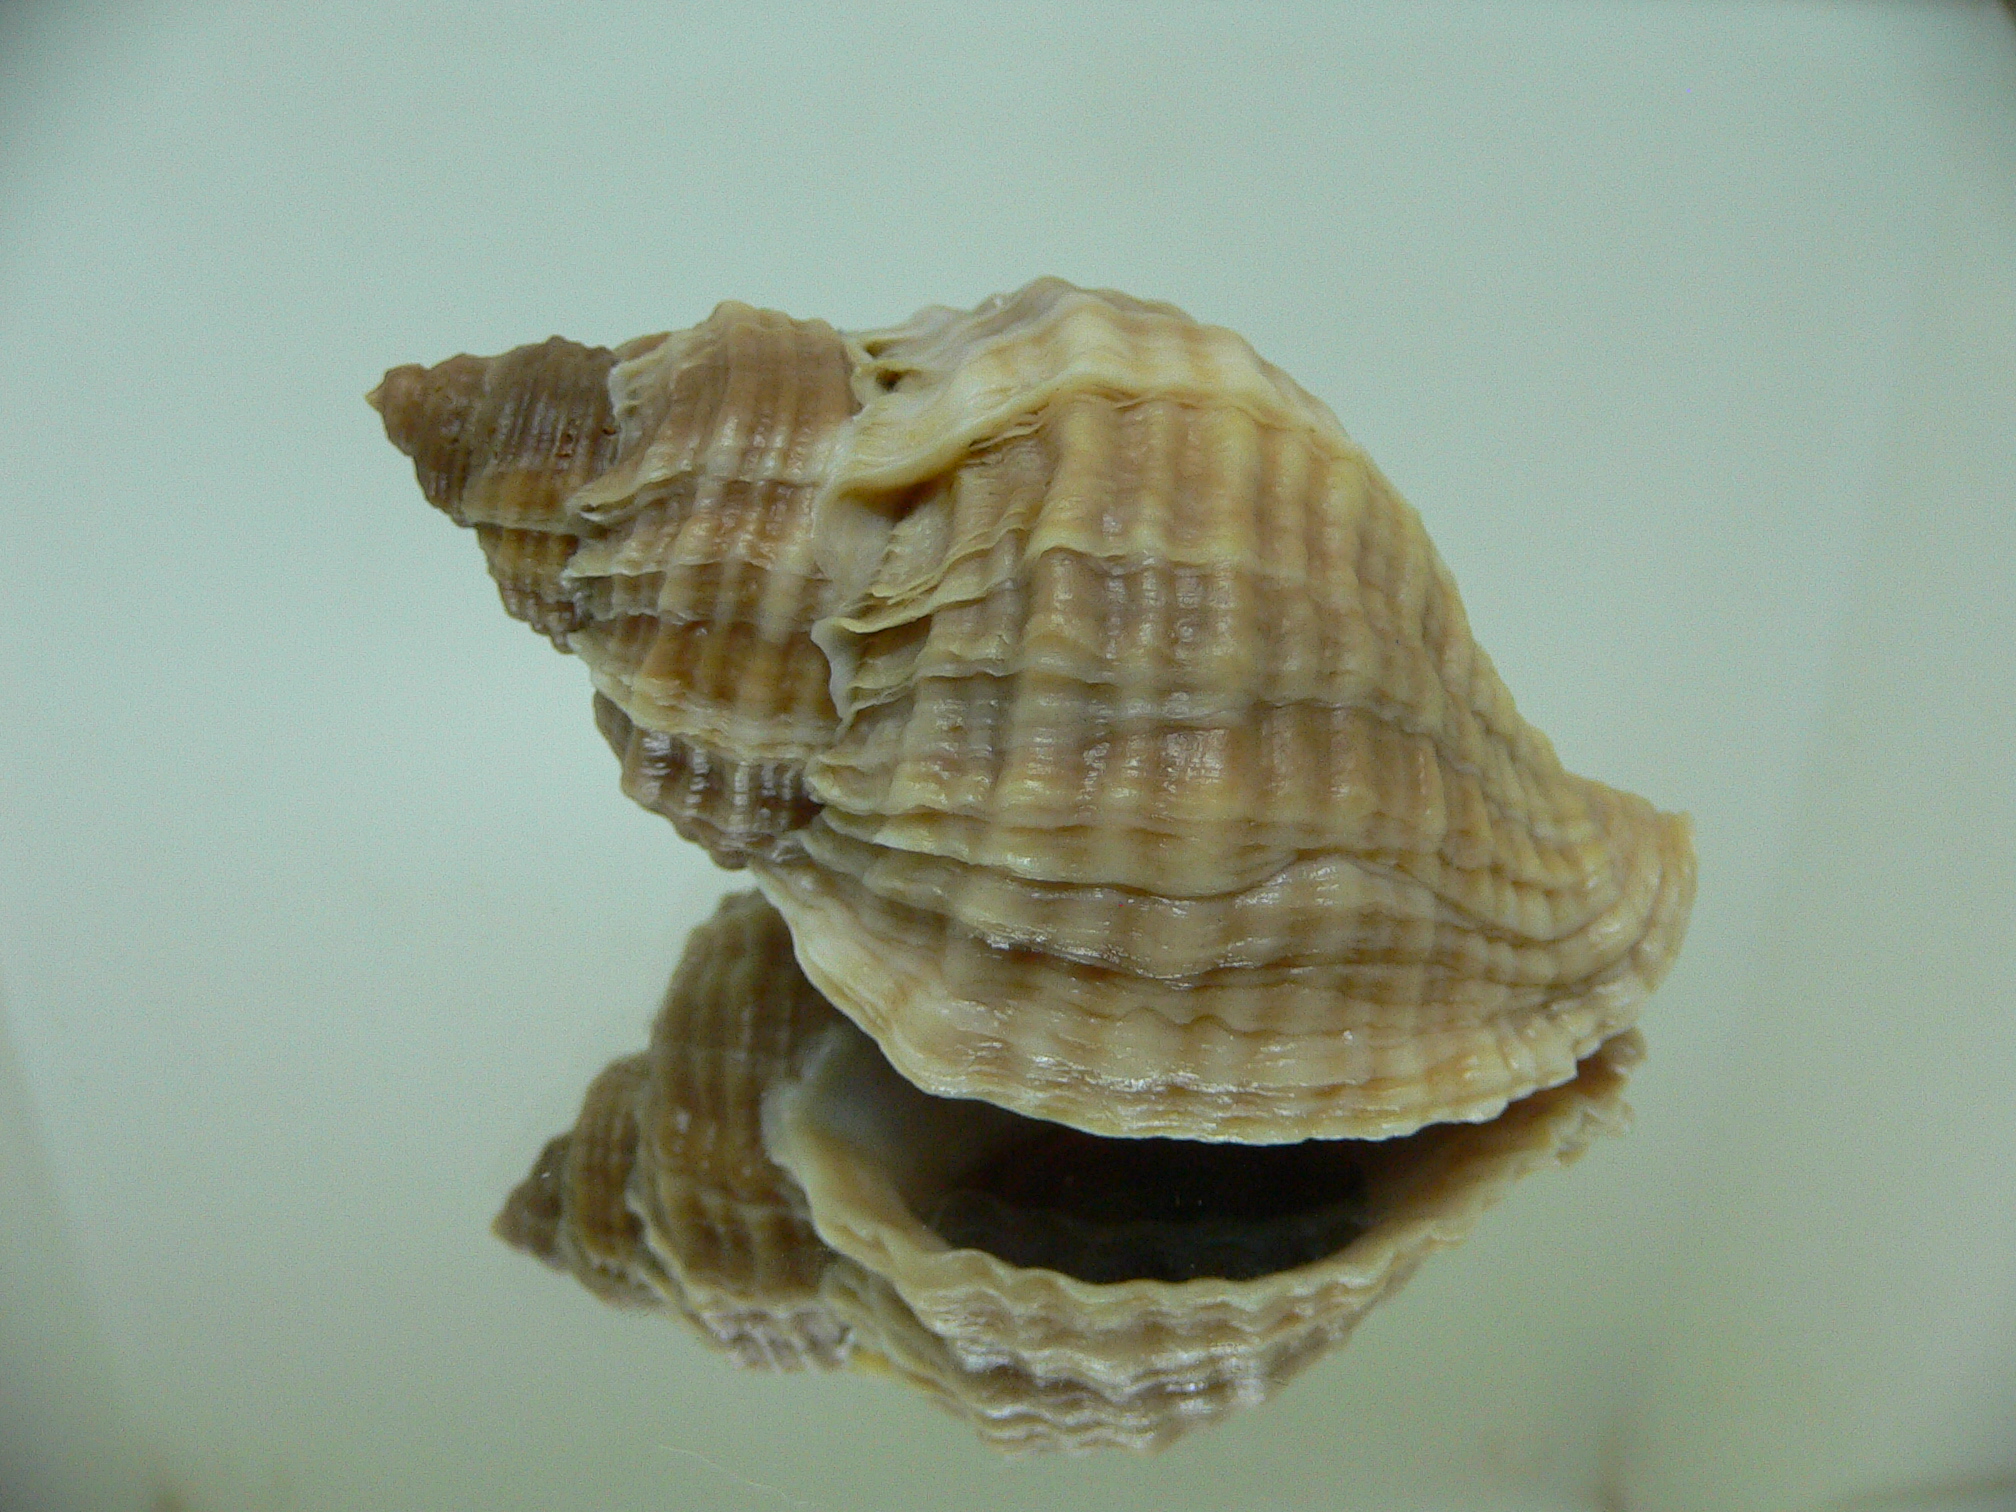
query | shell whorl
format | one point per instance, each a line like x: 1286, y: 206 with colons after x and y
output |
x: 648, y: 508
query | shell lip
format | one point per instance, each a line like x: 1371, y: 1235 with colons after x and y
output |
x: 950, y: 1193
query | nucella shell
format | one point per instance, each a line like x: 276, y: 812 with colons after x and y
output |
x: 1106, y: 732
x: 763, y: 1173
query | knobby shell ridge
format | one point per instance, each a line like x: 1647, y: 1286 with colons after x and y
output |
x: 648, y: 508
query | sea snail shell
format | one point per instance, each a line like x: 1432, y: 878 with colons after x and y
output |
x: 1098, y: 718
x: 763, y: 1173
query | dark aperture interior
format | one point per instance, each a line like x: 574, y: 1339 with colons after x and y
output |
x: 1108, y: 1210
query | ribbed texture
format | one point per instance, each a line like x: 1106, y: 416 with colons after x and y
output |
x: 649, y: 510
x: 1037, y: 1360
x: 763, y: 1174
x: 1171, y: 793
x: 661, y: 1195
x: 1101, y: 719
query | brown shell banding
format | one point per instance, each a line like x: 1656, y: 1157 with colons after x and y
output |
x: 1100, y: 718
x: 1179, y: 1064
x: 759, y: 1170
x: 661, y: 1195
x: 649, y: 509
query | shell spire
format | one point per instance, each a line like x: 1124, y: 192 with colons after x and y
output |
x: 660, y: 1196
x: 499, y: 444
x: 647, y: 508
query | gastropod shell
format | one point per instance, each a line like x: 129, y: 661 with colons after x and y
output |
x: 1109, y: 738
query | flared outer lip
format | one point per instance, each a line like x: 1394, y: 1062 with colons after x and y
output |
x: 1053, y: 1324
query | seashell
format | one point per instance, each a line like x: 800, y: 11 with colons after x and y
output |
x: 1102, y: 722
x: 763, y: 1173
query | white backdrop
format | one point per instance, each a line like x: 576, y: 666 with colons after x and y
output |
x: 1691, y: 332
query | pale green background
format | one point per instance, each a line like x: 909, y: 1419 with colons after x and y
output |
x: 1691, y: 331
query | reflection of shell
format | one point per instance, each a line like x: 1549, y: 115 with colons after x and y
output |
x: 699, y: 1171
x: 1102, y: 722
x: 661, y: 1194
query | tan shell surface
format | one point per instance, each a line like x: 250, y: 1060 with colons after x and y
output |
x: 649, y: 509
x: 1171, y: 793
x: 760, y: 1171
x: 1102, y: 721
x: 661, y: 1195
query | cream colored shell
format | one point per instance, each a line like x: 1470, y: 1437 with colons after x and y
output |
x: 1100, y: 719
x: 763, y: 1173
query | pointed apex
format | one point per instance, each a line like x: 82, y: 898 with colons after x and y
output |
x: 503, y: 440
